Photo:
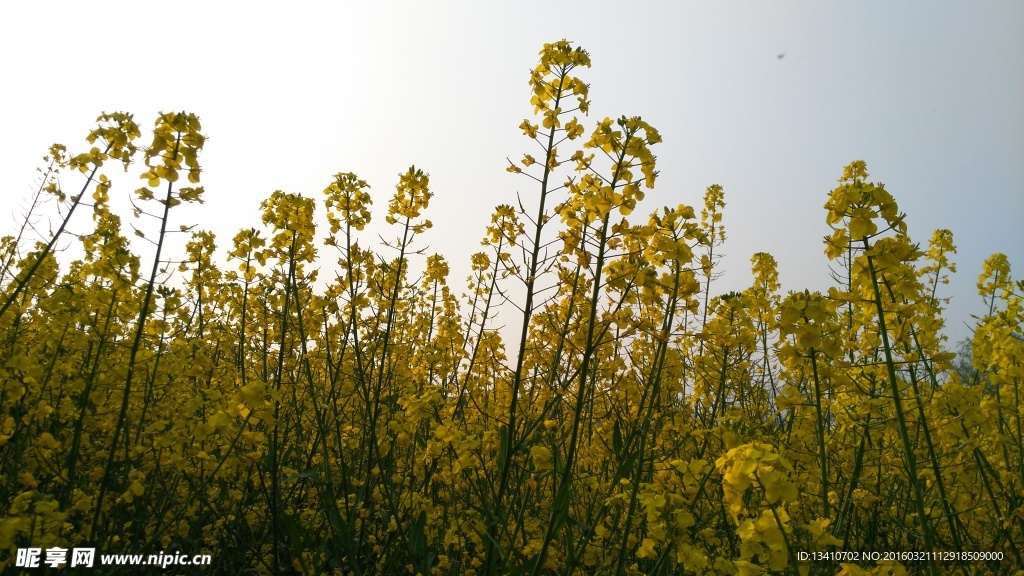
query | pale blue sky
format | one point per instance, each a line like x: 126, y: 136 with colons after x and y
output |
x: 931, y: 95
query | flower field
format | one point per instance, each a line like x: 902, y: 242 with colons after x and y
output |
x: 304, y: 399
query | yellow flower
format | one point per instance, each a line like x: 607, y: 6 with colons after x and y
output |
x: 648, y: 549
x: 541, y: 457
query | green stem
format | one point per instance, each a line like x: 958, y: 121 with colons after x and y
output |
x: 140, y: 326
x: 908, y: 447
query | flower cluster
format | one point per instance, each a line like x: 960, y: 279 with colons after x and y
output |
x: 589, y: 404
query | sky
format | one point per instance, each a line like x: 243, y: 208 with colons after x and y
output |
x: 769, y: 100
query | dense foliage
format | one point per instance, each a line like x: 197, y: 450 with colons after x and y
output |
x: 312, y: 404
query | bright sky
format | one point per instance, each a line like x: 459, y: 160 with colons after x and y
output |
x: 931, y: 95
